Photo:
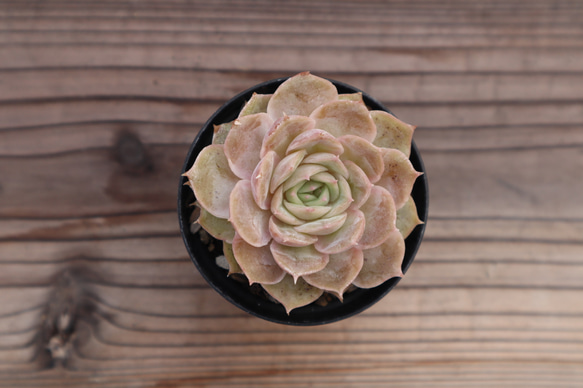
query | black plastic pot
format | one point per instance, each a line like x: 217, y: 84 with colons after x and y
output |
x: 243, y: 296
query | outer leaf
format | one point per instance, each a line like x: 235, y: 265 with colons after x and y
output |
x: 380, y: 214
x: 249, y: 220
x: 219, y: 228
x: 344, y: 238
x: 256, y: 104
x: 243, y: 144
x: 345, y: 118
x: 383, y: 262
x: 341, y: 270
x: 364, y: 155
x: 220, y: 132
x: 351, y: 97
x: 298, y: 261
x: 230, y: 257
x: 257, y: 263
x: 300, y: 95
x: 392, y: 132
x: 212, y: 181
x: 283, y: 132
x: 286, y: 234
x: 398, y: 176
x: 407, y: 218
x: 293, y: 295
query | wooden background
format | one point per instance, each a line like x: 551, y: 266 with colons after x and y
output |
x: 99, y: 101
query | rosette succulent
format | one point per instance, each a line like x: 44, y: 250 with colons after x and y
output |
x: 309, y: 191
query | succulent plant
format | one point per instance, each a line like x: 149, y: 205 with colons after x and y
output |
x: 309, y: 191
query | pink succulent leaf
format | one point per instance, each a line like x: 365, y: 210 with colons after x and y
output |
x: 283, y: 131
x: 407, y: 218
x: 364, y: 154
x: 345, y: 118
x: 286, y: 234
x: 324, y: 177
x: 323, y: 226
x: 293, y: 194
x: 340, y: 272
x: 298, y: 261
x: 285, y: 168
x: 344, y: 238
x: 380, y: 214
x: 316, y: 140
x: 256, y: 104
x: 306, y: 213
x: 257, y: 263
x: 344, y: 199
x: 261, y: 178
x: 293, y: 295
x: 249, y: 220
x: 399, y: 175
x: 392, y: 132
x: 359, y: 183
x: 234, y: 267
x: 220, y: 132
x: 219, y: 228
x: 243, y: 144
x: 383, y: 262
x: 303, y: 173
x: 212, y: 181
x: 280, y: 211
x: 351, y: 97
x: 331, y: 161
x: 300, y: 95
x: 321, y: 199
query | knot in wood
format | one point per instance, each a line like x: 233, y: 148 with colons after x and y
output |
x: 131, y: 154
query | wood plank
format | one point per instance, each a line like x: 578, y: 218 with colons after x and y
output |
x: 318, y: 12
x: 147, y: 181
x: 72, y: 111
x: 501, y: 251
x: 130, y: 24
x: 402, y: 374
x: 292, y: 59
x: 507, y: 183
x: 118, y: 226
x: 185, y: 84
x: 44, y: 252
x: 189, y: 36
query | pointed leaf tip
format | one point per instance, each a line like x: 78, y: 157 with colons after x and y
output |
x: 293, y: 295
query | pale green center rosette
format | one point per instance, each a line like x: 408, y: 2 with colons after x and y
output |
x: 309, y: 191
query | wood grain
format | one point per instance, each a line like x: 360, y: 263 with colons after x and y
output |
x: 99, y: 102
